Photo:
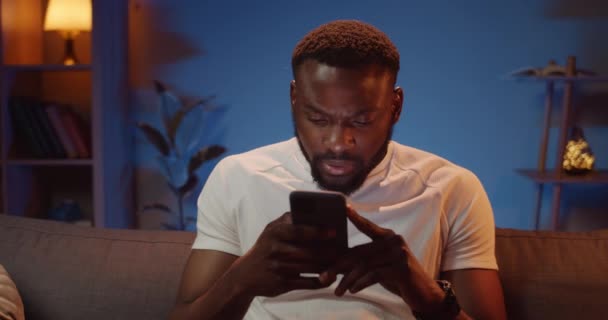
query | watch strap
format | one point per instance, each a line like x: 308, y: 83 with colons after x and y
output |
x: 449, y: 308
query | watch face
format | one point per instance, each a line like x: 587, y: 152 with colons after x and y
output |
x: 450, y: 303
x: 445, y: 285
x: 449, y: 306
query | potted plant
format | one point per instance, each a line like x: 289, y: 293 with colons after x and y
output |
x: 178, y: 145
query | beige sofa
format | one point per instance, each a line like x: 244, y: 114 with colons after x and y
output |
x: 70, y: 272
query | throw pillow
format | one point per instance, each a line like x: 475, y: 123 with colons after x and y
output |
x: 11, y: 306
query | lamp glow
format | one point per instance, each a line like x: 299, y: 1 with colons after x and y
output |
x: 68, y: 17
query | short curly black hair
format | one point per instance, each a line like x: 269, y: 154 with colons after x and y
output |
x: 346, y: 44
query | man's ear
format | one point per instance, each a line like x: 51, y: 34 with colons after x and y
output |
x: 397, y: 104
x: 292, y: 93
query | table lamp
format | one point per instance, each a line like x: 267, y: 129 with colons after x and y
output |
x: 68, y: 17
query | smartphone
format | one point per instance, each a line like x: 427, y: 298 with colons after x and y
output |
x: 325, y: 209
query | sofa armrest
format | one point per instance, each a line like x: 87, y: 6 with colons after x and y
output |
x: 65, y: 271
x: 553, y: 275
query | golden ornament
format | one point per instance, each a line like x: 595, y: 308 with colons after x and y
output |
x: 578, y: 157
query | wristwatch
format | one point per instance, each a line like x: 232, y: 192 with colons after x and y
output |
x: 449, y: 308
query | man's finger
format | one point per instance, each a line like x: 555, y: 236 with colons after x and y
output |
x: 351, y: 278
x: 295, y: 269
x: 369, y: 228
x: 333, y: 271
x: 284, y: 218
x: 343, y: 265
x: 373, y: 253
x: 305, y: 283
x: 302, y: 233
x: 287, y: 252
x: 364, y: 281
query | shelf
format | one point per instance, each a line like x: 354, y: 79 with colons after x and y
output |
x: 30, y: 66
x: 46, y: 67
x: 550, y: 176
x: 49, y: 162
x: 601, y: 78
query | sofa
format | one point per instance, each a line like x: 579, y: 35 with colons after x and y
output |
x: 65, y: 271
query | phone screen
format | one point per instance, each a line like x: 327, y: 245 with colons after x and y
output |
x: 324, y: 209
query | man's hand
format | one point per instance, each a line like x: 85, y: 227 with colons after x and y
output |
x: 282, y: 252
x: 218, y: 285
x: 388, y: 261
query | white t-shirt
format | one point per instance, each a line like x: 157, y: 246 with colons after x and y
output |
x: 439, y: 208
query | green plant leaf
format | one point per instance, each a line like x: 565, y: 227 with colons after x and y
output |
x: 157, y: 206
x: 188, y: 186
x: 205, y: 103
x: 179, y: 115
x: 155, y: 138
x: 164, y: 166
x: 204, y: 154
x: 190, y: 132
x: 170, y: 104
x: 174, y: 123
x: 175, y: 169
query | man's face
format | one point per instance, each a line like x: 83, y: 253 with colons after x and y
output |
x: 343, y: 120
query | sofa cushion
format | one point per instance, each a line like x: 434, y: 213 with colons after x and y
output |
x: 70, y: 272
x: 553, y: 275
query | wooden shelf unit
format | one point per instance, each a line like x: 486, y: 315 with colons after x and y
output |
x: 556, y: 176
x: 49, y: 162
x: 594, y: 177
x: 102, y: 183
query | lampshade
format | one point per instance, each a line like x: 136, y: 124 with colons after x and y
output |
x: 68, y: 15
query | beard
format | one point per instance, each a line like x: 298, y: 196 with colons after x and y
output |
x: 347, y: 184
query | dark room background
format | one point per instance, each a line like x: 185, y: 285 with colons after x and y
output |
x: 454, y: 59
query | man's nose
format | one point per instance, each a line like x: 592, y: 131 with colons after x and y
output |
x: 340, y: 139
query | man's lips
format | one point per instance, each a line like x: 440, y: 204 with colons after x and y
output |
x: 338, y: 167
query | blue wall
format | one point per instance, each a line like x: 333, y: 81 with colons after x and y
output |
x: 454, y: 55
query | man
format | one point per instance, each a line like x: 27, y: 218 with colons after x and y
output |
x: 415, y: 218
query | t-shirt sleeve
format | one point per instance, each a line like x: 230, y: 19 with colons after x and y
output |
x: 216, y: 223
x: 470, y: 240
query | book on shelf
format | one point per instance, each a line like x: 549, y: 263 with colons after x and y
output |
x: 48, y: 130
x: 67, y: 141
x: 48, y: 134
x: 77, y: 129
x: 25, y: 138
x: 28, y: 130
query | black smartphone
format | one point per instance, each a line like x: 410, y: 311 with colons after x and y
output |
x: 325, y: 209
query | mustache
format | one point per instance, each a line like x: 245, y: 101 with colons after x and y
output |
x: 335, y: 156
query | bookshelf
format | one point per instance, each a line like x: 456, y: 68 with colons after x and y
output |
x: 556, y: 177
x: 36, y: 170
x: 50, y: 162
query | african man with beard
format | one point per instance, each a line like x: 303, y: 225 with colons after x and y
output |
x: 421, y: 229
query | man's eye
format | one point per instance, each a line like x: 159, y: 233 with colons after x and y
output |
x: 318, y: 121
x: 361, y: 123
